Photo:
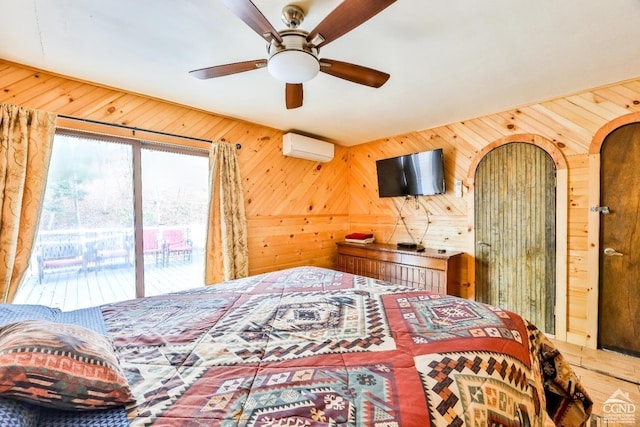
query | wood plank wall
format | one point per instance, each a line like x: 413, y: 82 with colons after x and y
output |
x: 570, y: 123
x: 296, y: 209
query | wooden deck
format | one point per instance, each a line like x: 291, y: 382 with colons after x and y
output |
x: 78, y: 289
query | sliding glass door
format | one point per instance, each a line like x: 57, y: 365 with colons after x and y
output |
x: 88, y: 251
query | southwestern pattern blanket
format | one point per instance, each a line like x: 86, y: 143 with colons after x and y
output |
x: 316, y: 347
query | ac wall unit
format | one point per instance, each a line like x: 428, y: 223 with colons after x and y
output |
x: 303, y: 147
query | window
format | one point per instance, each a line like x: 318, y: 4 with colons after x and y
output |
x: 88, y: 252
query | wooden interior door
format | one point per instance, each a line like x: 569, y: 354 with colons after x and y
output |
x: 515, y: 200
x: 619, y: 305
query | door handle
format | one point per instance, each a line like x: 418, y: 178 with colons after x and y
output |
x: 484, y: 244
x: 604, y: 210
x: 611, y: 252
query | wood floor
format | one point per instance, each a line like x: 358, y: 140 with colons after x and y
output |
x: 603, y: 373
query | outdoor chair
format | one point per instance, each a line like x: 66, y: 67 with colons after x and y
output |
x: 113, y: 250
x: 59, y: 257
x: 175, y: 244
x: 151, y: 245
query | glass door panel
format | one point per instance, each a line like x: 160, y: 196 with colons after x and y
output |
x: 83, y: 253
x: 174, y: 219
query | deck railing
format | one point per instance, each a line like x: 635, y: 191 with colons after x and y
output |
x: 95, y: 248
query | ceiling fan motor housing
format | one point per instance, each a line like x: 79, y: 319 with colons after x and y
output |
x: 294, y: 60
x: 292, y: 16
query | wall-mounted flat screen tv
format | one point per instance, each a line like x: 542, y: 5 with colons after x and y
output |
x: 419, y: 174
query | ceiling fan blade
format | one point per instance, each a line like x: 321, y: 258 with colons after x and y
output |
x: 347, y: 16
x: 225, y: 70
x: 354, y: 73
x: 293, y: 95
x: 251, y: 15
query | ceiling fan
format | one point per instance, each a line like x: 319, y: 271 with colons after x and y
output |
x: 293, y: 53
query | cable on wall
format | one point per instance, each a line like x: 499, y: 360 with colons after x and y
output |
x: 418, y: 204
x: 399, y: 218
x: 427, y: 213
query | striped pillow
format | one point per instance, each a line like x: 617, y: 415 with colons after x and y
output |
x: 60, y: 366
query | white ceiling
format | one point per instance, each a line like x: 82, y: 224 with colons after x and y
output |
x: 449, y: 60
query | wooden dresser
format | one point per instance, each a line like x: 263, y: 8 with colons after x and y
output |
x: 428, y: 270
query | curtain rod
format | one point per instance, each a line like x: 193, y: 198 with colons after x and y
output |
x: 134, y: 129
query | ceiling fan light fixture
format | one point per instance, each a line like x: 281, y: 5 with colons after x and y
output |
x: 293, y: 66
x: 293, y: 60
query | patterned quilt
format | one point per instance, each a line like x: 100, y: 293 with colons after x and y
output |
x: 316, y: 347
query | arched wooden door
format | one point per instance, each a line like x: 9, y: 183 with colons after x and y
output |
x: 515, y: 199
x: 619, y: 305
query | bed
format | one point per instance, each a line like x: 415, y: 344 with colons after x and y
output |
x: 305, y: 346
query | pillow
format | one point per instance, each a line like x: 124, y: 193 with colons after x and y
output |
x: 61, y: 366
x: 10, y: 313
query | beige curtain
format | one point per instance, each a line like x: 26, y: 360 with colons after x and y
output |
x: 227, y: 252
x: 26, y: 138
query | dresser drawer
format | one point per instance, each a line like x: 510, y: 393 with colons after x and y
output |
x: 386, y: 256
x: 421, y: 261
x: 353, y: 251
